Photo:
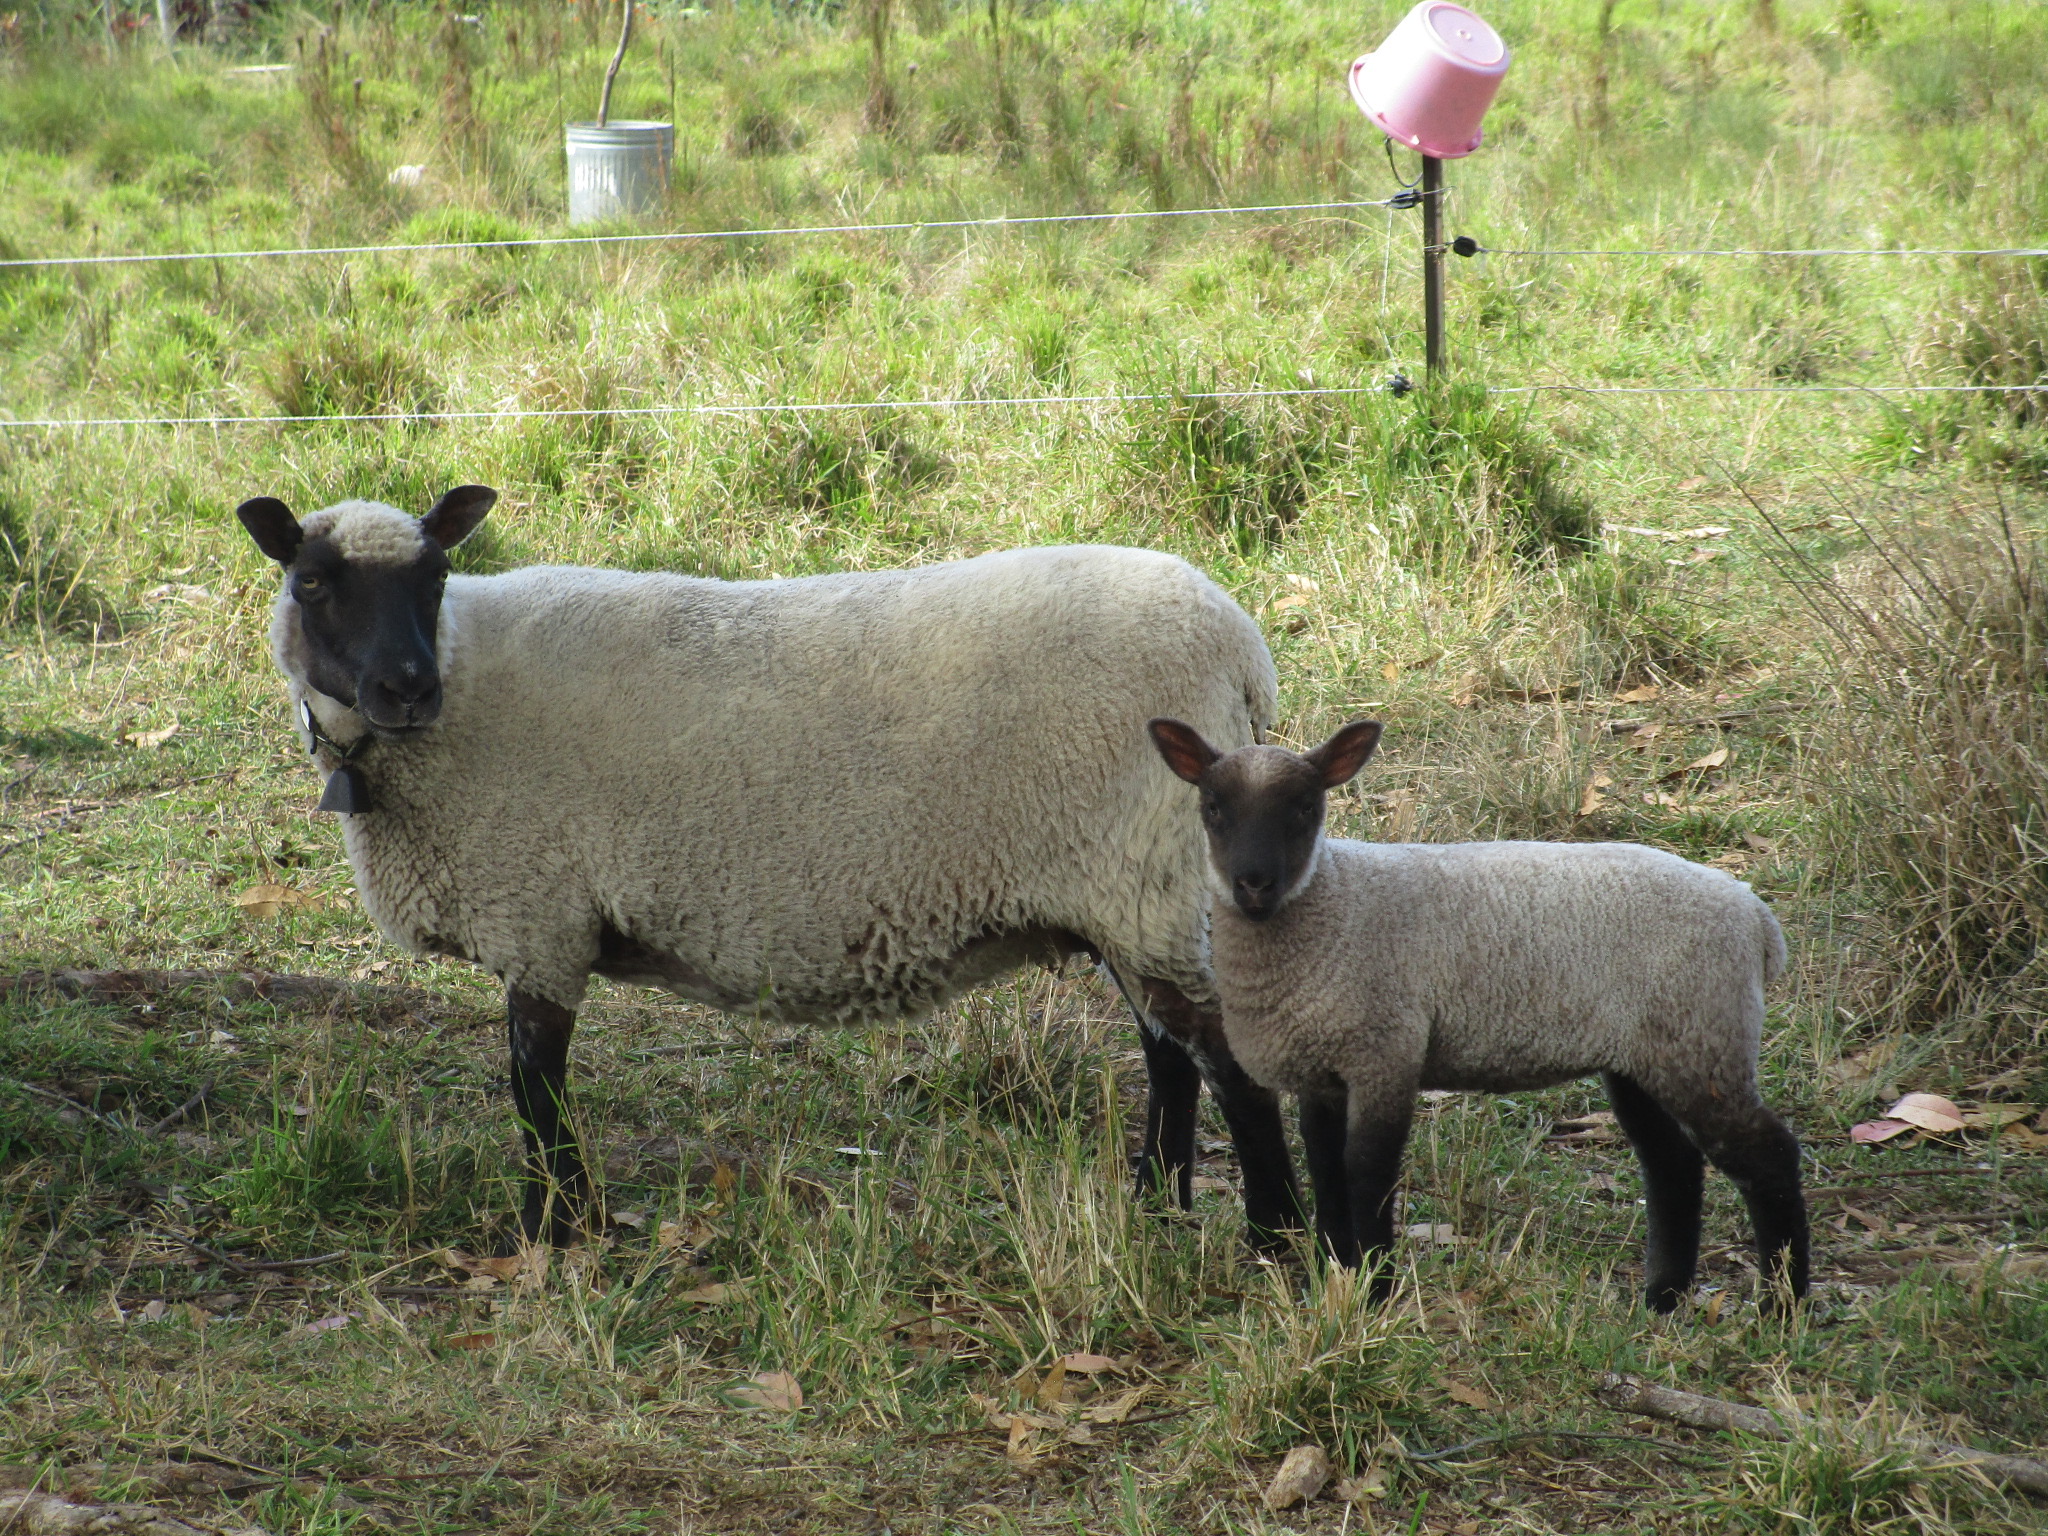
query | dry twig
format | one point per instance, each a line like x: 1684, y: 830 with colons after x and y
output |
x: 1631, y: 1394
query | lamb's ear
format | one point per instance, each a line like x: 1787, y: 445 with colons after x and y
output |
x: 1339, y: 758
x: 272, y: 526
x: 1186, y: 753
x: 455, y: 516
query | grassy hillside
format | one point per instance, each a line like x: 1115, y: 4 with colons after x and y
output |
x: 1796, y: 634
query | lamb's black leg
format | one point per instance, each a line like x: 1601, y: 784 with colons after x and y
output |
x: 1273, y: 1206
x: 1759, y: 1152
x: 557, y: 1188
x: 1376, y: 1137
x: 1173, y: 1090
x: 1322, y: 1140
x: 1674, y: 1178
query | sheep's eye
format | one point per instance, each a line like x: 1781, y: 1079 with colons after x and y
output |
x: 311, y: 584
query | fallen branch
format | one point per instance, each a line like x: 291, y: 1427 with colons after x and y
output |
x: 256, y: 1266
x: 1631, y: 1394
x: 1453, y: 1452
x: 1702, y: 722
x: 290, y: 992
x: 183, y: 1109
x: 71, y: 1104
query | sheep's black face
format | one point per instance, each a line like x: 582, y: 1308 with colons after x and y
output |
x: 365, y: 586
x: 369, y: 630
x: 1262, y: 807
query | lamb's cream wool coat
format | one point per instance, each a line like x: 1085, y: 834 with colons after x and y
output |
x: 826, y: 798
x: 1501, y: 966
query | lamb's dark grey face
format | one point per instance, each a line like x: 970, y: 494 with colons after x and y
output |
x: 365, y: 586
x: 1262, y: 807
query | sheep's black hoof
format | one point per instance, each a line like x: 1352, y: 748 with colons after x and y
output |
x: 1665, y: 1299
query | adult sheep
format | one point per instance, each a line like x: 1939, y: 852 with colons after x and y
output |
x: 822, y: 800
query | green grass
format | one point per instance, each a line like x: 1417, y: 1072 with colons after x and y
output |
x: 1843, y: 593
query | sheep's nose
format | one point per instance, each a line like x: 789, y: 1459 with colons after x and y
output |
x: 1255, y: 885
x: 410, y: 685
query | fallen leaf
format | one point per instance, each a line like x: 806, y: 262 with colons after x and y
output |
x: 1083, y: 1364
x: 1868, y: 1222
x: 1467, y: 689
x: 1469, y: 1395
x: 1929, y: 1111
x: 470, y: 1340
x: 149, y: 739
x: 1203, y: 1184
x: 1438, y: 1232
x: 1116, y: 1409
x: 508, y: 1268
x: 1706, y: 764
x: 267, y: 901
x: 773, y: 1390
x: 153, y: 1311
x: 634, y: 1219
x: 1593, y: 798
x: 1051, y: 1389
x: 1648, y: 693
x: 2024, y: 1138
x: 1369, y: 1484
x: 1303, y: 583
x: 1762, y: 845
x: 1714, y: 1303
x: 1285, y: 604
x: 1023, y: 1445
x: 329, y: 1324
x: 1302, y: 1474
x: 1391, y: 671
x: 1869, y: 1132
x: 1993, y: 1117
x: 1691, y: 483
x: 1643, y: 735
x: 1864, y: 1070
x: 708, y: 1294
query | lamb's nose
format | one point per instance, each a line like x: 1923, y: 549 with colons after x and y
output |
x: 1255, y: 885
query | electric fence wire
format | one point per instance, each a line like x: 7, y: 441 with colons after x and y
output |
x: 513, y: 413
x: 1406, y: 198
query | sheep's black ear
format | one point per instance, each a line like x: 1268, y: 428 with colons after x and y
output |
x: 455, y: 515
x: 272, y: 526
x: 1186, y: 753
x: 1339, y: 758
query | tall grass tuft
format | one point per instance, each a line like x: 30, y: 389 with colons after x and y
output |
x: 1329, y: 1367
x: 1939, y: 783
x: 42, y: 578
x: 345, y: 370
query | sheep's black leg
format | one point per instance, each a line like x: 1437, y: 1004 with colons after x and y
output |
x: 1674, y: 1179
x: 1273, y: 1206
x: 556, y: 1185
x: 1322, y: 1140
x: 1173, y: 1089
x: 1375, y: 1139
x: 1759, y: 1152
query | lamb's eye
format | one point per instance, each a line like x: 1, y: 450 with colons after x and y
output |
x: 311, y: 584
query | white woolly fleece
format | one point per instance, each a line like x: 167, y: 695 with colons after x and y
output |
x: 368, y: 531
x: 1503, y: 966
x: 828, y: 798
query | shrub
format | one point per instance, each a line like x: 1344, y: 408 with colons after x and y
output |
x: 340, y: 371
x: 1936, y: 783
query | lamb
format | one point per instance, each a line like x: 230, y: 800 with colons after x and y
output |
x: 775, y: 797
x: 1355, y: 974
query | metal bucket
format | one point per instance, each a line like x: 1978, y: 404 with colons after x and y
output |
x: 619, y: 168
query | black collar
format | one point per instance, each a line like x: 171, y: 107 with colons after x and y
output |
x: 347, y: 792
x: 347, y: 754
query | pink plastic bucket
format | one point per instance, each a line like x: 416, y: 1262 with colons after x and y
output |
x: 1429, y: 84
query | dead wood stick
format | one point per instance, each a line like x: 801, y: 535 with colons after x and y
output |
x: 1732, y: 717
x: 183, y: 1109
x: 1631, y: 1394
x: 256, y: 1266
